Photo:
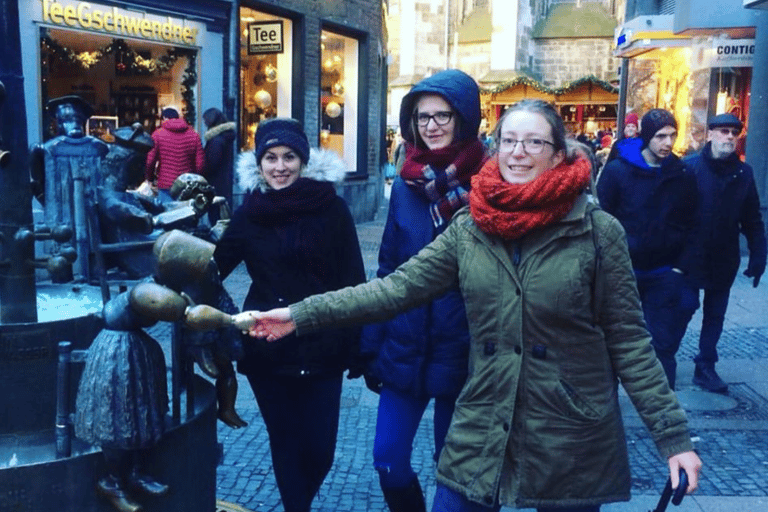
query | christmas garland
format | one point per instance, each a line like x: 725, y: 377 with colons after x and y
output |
x: 535, y: 84
x: 126, y: 57
x: 188, y: 82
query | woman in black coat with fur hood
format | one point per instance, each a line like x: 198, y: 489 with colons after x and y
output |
x: 296, y: 238
x: 219, y: 143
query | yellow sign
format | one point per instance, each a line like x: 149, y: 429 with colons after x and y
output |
x: 117, y: 21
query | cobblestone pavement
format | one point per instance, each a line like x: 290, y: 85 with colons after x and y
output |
x: 733, y: 437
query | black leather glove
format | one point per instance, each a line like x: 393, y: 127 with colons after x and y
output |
x: 372, y: 382
x: 754, y: 271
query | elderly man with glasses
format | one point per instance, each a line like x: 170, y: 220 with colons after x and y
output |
x: 729, y: 206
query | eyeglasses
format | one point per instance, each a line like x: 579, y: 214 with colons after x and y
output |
x: 729, y: 131
x: 441, y: 118
x: 530, y: 146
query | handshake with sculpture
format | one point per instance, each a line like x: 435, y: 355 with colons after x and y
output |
x: 270, y: 325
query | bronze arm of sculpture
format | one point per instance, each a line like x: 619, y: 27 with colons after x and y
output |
x: 152, y: 300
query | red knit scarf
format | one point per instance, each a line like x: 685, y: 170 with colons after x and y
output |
x: 510, y: 211
x: 442, y: 176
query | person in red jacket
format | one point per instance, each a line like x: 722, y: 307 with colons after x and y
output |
x: 177, y: 150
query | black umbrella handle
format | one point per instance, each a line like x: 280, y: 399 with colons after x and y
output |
x: 676, y: 496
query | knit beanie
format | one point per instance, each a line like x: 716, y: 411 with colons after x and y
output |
x: 281, y: 131
x: 170, y: 113
x: 631, y: 119
x: 653, y: 121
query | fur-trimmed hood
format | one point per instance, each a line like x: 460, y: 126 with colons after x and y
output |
x: 218, y: 129
x: 323, y: 165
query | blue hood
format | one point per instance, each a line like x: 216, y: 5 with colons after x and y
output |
x: 630, y: 150
x: 458, y: 89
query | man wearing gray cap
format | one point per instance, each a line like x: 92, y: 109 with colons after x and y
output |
x: 729, y: 206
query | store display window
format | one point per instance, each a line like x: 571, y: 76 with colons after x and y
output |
x: 126, y: 81
x: 266, y: 65
x: 339, y: 96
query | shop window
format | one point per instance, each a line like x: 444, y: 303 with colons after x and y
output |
x: 125, y: 81
x: 266, y: 51
x: 339, y: 96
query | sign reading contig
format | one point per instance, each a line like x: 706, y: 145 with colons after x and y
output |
x: 120, y: 22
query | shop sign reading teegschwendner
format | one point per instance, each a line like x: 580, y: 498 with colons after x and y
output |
x: 117, y: 22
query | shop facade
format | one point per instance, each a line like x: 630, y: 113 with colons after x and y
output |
x: 127, y: 60
x: 324, y: 64
x: 696, y: 62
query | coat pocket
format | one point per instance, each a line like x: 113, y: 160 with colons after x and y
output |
x: 576, y: 406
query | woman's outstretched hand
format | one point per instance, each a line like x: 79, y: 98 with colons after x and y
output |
x: 272, y: 325
x: 691, y: 463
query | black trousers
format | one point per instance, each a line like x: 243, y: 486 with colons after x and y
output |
x: 302, y: 420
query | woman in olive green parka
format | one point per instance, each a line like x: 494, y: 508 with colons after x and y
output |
x: 555, y: 323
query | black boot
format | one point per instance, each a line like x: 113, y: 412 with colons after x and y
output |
x: 705, y: 376
x: 405, y: 499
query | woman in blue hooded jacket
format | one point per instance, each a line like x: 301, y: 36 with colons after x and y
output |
x: 422, y: 354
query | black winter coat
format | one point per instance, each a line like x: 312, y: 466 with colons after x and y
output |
x: 311, y: 254
x: 729, y: 206
x: 218, y: 158
x: 656, y: 206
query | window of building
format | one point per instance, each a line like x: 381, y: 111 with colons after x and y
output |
x: 126, y: 81
x: 339, y: 96
x: 266, y: 70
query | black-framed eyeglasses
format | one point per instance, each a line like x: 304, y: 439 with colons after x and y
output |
x: 530, y: 146
x: 441, y: 118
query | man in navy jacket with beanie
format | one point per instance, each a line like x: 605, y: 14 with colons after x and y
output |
x: 649, y: 190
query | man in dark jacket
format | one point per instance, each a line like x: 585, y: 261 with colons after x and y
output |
x: 729, y: 205
x: 648, y: 189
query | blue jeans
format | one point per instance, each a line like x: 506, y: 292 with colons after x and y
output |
x: 302, y: 420
x: 667, y: 309
x: 398, y: 419
x: 713, y: 316
x: 447, y: 500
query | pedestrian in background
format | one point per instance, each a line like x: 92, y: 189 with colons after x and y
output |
x: 629, y: 137
x: 219, y: 146
x: 422, y: 354
x: 296, y: 238
x: 649, y: 190
x: 555, y: 324
x: 729, y: 206
x: 177, y: 150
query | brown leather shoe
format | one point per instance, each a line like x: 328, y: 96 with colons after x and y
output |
x: 111, y: 489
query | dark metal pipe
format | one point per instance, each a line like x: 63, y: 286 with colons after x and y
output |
x: 18, y: 295
x: 63, y: 425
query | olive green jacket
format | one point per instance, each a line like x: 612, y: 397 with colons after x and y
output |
x: 556, y: 324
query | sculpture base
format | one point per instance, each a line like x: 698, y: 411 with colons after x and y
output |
x: 185, y: 460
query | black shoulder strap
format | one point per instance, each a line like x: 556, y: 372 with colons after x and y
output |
x: 598, y: 282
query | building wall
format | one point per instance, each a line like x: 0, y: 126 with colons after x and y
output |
x: 559, y: 61
x: 473, y: 58
x: 355, y: 18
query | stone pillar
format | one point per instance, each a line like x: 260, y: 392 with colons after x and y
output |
x: 757, y: 157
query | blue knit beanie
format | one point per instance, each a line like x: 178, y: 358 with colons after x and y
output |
x: 281, y: 131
